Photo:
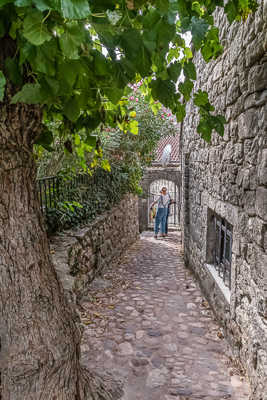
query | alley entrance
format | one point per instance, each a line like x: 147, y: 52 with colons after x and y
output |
x: 147, y: 323
x: 174, y: 191
x: 153, y: 180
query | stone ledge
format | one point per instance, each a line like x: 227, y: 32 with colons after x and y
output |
x: 220, y: 284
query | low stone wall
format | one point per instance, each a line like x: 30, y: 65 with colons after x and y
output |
x: 79, y: 255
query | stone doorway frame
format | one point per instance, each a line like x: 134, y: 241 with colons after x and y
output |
x: 156, y: 172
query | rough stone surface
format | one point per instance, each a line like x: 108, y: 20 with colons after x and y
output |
x: 164, y: 350
x: 229, y: 175
x: 80, y: 255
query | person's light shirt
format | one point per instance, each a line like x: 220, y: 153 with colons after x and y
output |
x: 162, y: 201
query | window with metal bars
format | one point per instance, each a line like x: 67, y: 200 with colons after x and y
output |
x: 222, y: 251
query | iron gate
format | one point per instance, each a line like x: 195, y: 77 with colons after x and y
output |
x: 173, y: 190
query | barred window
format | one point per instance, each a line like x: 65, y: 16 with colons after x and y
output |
x: 222, y: 251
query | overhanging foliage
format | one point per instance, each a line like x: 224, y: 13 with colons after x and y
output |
x: 77, y: 58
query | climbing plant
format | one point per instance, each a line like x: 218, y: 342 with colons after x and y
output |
x: 150, y: 121
x: 76, y: 58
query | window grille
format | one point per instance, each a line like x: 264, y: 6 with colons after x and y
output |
x: 223, y: 249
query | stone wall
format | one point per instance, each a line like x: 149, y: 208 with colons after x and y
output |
x: 79, y: 255
x: 229, y: 177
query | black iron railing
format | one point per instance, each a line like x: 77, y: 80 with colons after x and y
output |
x: 53, y: 189
x: 223, y: 249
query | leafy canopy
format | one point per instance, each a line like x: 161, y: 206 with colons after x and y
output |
x: 76, y: 58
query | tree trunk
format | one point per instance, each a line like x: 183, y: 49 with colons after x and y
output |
x: 40, y: 342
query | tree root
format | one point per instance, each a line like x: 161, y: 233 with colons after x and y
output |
x: 93, y: 386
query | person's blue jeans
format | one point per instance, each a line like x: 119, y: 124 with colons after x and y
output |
x: 160, y: 220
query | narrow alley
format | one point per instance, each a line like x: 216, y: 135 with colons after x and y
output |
x: 147, y: 323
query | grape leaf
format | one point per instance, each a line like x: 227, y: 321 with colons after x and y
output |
x: 44, y: 59
x: 188, y: 53
x: 151, y: 18
x: 101, y: 66
x: 114, y: 94
x: 72, y: 109
x: 212, y: 47
x: 186, y: 88
x: 164, y: 91
x: 190, y: 70
x: 180, y: 111
x: 162, y: 6
x: 149, y: 39
x: 68, y: 71
x: 30, y: 94
x: 131, y: 42
x: 143, y: 62
x: 174, y: 71
x: 208, y: 123
x: 12, y: 71
x: 218, y: 123
x: 34, y: 29
x: 231, y: 11
x: 52, y: 85
x: 75, y: 9
x: 198, y: 28
x: 43, y: 5
x: 71, y: 40
x: 201, y: 98
x: 204, y: 129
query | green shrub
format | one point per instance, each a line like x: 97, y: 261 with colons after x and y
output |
x: 85, y: 202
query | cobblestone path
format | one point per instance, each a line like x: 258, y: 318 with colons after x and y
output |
x: 147, y: 323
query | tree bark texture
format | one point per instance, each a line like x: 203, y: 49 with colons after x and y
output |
x: 40, y: 341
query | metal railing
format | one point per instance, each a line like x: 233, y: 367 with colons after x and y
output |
x: 53, y: 189
x: 223, y: 249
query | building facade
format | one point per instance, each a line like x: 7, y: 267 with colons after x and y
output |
x: 224, y: 202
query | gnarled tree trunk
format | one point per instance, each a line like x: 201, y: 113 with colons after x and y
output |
x: 40, y: 342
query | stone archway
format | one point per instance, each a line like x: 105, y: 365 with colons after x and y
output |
x: 151, y: 175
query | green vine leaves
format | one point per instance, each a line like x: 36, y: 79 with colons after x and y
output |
x: 77, y: 58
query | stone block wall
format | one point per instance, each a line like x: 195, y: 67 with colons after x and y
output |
x: 79, y: 255
x: 229, y: 177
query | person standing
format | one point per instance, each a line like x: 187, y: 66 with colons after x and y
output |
x: 162, y: 202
